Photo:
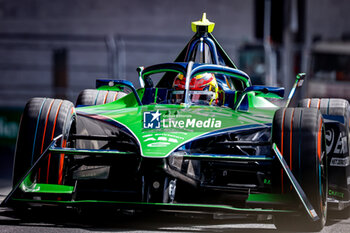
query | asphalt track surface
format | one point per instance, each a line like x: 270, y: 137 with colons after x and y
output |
x: 59, y: 220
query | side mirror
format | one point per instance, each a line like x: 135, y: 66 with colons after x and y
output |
x: 263, y: 91
x: 145, y: 82
x: 110, y: 84
x: 267, y: 92
x: 107, y: 84
x: 139, y: 72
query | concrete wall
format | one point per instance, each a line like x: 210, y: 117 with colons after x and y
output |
x: 159, y: 17
x: 327, y: 18
x: 149, y: 32
x: 152, y: 31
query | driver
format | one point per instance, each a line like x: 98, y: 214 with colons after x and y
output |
x: 203, y: 89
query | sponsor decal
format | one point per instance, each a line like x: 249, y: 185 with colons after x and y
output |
x: 267, y: 181
x: 342, y: 145
x: 151, y: 120
x: 335, y: 193
x: 161, y: 139
x: 191, y: 123
x: 157, y: 120
x: 340, y: 162
x: 337, y: 143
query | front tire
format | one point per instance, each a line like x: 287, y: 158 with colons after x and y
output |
x: 299, y: 134
x: 91, y: 97
x: 43, y: 119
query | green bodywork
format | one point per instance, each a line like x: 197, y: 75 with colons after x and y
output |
x: 162, y: 142
x: 31, y: 187
x: 198, y: 121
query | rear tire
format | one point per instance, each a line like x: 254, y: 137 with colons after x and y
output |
x: 43, y: 119
x: 90, y: 97
x: 335, y: 107
x: 338, y: 110
x: 299, y: 134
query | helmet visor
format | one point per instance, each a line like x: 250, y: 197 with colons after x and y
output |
x: 196, y: 97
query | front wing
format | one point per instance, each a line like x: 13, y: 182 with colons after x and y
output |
x: 49, y: 194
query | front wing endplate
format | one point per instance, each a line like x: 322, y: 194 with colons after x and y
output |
x: 301, y: 194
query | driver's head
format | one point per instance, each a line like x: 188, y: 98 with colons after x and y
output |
x: 203, y: 88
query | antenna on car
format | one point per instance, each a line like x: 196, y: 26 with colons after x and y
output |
x: 204, y: 28
x: 203, y: 25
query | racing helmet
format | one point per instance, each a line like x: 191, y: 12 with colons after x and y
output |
x: 203, y: 89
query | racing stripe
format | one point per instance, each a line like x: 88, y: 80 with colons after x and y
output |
x: 282, y: 131
x: 115, y: 96
x: 291, y: 141
x: 319, y: 104
x: 36, y: 130
x: 47, y: 117
x: 299, y: 145
x: 43, y: 138
x: 319, y: 143
x: 228, y: 83
x: 308, y: 103
x: 98, y: 92
x: 52, y: 136
x: 291, y: 144
x: 104, y: 101
x: 60, y: 169
x: 155, y: 96
x: 61, y: 162
x: 282, y: 136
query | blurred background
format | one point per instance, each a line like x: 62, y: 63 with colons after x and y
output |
x: 58, y: 48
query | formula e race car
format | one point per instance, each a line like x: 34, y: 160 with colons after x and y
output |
x: 202, y: 139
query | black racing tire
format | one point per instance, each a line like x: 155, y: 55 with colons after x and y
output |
x: 327, y: 106
x: 42, y: 120
x: 90, y: 97
x: 340, y: 108
x: 299, y: 135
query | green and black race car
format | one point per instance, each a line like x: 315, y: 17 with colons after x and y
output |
x: 202, y: 139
